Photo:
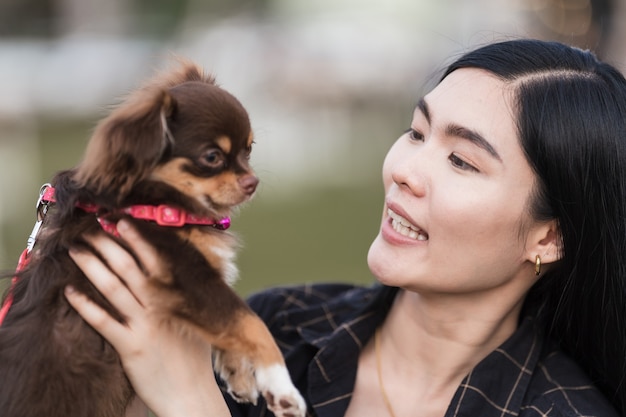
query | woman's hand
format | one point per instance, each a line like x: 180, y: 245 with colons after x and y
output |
x: 171, y: 373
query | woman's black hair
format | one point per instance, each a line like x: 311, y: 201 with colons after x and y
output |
x: 571, y: 111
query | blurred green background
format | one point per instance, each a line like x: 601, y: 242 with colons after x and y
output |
x: 329, y: 84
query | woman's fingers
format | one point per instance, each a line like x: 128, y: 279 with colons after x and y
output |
x: 157, y: 356
x: 118, y: 276
x: 105, y: 280
x: 123, y: 264
x: 146, y: 253
x: 98, y: 318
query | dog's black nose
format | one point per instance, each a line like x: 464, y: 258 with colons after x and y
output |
x: 248, y: 183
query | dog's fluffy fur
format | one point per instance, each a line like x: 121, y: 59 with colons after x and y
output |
x: 181, y: 141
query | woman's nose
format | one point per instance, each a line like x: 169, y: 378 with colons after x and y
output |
x: 410, y: 171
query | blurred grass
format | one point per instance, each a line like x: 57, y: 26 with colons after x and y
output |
x: 321, y: 236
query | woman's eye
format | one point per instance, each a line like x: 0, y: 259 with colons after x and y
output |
x: 415, y: 135
x: 213, y: 159
x: 461, y: 164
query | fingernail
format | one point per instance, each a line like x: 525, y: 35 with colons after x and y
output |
x: 123, y: 225
x: 69, y: 289
x: 73, y: 251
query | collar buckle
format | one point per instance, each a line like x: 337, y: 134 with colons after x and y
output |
x: 169, y: 216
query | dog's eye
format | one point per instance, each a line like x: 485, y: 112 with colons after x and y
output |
x: 213, y: 159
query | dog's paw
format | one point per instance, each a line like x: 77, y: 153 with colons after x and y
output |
x: 283, y: 399
x: 238, y: 375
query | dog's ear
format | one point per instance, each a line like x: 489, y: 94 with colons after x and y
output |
x: 127, y: 144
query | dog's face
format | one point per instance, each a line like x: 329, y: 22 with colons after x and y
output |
x: 211, y: 141
x: 181, y: 130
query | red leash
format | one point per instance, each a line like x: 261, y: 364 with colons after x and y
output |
x: 163, y: 215
x: 21, y: 264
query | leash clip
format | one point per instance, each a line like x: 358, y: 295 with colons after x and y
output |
x: 42, y: 206
x: 30, y: 244
x: 43, y: 202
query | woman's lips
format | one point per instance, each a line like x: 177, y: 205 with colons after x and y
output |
x: 404, y: 227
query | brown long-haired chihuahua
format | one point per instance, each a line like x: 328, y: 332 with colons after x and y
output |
x: 180, y: 144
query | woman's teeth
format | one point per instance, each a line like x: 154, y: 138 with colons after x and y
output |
x: 405, y: 228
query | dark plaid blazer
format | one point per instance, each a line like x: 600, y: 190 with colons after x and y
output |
x: 322, y: 328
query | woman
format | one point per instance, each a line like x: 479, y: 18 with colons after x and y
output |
x: 500, y: 256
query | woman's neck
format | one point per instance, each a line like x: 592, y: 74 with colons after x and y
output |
x: 439, y: 340
x: 426, y: 346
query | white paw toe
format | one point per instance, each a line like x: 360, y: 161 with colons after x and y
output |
x: 282, y: 397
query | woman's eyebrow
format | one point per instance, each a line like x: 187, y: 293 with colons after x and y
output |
x: 474, y: 137
x: 423, y: 107
x: 461, y: 132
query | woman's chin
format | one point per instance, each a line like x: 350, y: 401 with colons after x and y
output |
x: 380, y: 262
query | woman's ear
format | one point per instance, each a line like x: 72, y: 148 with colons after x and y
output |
x: 127, y: 144
x: 544, y: 240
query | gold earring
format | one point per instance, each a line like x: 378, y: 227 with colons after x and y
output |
x: 537, y: 265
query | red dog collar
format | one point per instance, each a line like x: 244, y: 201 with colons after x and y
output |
x: 163, y: 215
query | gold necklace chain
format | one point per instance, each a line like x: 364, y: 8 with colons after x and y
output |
x: 380, y: 374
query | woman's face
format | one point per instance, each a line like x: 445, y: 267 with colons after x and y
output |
x: 456, y: 191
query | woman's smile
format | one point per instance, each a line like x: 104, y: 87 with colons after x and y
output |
x: 400, y: 224
x: 405, y: 228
